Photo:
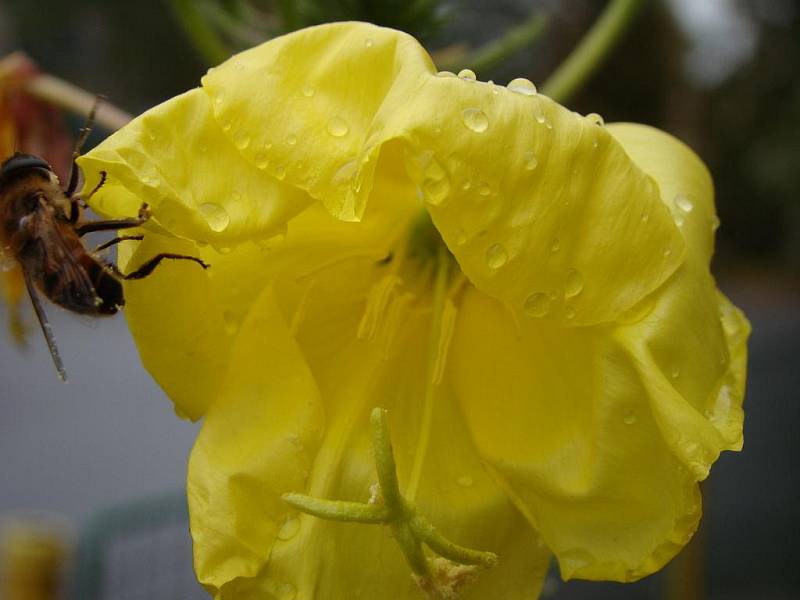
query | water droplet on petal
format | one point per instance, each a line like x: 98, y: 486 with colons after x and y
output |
x: 675, y: 373
x: 684, y: 203
x: 215, y: 215
x: 308, y: 90
x: 549, y: 124
x: 555, y: 246
x: 496, y: 256
x: 289, y: 528
x: 520, y: 85
x: 291, y: 139
x: 537, y: 305
x: 226, y: 126
x: 539, y: 114
x: 714, y: 223
x: 630, y: 417
x: 667, y: 251
x: 595, y: 119
x: 369, y: 43
x: 531, y: 161
x: 445, y: 74
x: 435, y: 184
x: 261, y: 160
x: 475, y: 119
x: 484, y: 189
x: 573, y: 285
x: 219, y: 99
x: 337, y: 127
x: 280, y: 172
x: 569, y: 313
x: 241, y: 139
x: 466, y: 185
x: 467, y: 74
x: 465, y: 481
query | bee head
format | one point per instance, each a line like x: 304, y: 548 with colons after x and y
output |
x: 20, y: 163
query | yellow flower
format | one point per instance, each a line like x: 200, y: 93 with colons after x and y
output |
x: 525, y: 291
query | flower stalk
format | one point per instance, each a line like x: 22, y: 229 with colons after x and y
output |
x: 579, y: 66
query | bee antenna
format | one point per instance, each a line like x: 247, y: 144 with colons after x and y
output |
x: 46, y: 329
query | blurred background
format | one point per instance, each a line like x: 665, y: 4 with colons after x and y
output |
x: 99, y: 463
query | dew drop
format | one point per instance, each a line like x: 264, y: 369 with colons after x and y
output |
x: 308, y: 90
x: 461, y: 237
x: 493, y: 87
x: 466, y: 185
x: 496, y: 256
x: 291, y: 139
x: 226, y: 126
x: 555, y: 246
x: 539, y: 115
x: 280, y: 172
x: 369, y: 43
x: 667, y: 251
x: 484, y: 189
x: 289, y: 528
x: 523, y: 86
x: 680, y: 220
x: 241, y: 139
x: 675, y: 373
x: 238, y: 67
x: 537, y: 305
x: 261, y: 160
x: 573, y: 285
x: 215, y: 215
x: 645, y: 217
x: 682, y: 202
x: 595, y: 144
x: 475, y: 119
x: 337, y: 127
x: 714, y: 223
x: 435, y: 184
x: 569, y: 313
x: 219, y: 99
x: 630, y: 417
x: 465, y: 481
x: 549, y: 124
x: 467, y: 74
x: 531, y: 161
x: 445, y: 74
x: 596, y: 119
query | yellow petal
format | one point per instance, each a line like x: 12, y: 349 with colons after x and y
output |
x: 177, y: 158
x: 530, y: 197
x: 574, y: 440
x: 257, y: 442
x: 247, y: 546
x: 609, y: 428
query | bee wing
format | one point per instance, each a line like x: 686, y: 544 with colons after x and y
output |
x: 72, y: 287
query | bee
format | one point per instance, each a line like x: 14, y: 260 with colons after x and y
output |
x: 41, y: 227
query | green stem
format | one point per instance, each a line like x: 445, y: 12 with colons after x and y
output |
x: 384, y: 463
x: 202, y: 35
x: 444, y: 547
x: 338, y: 510
x: 592, y: 50
x: 496, y: 52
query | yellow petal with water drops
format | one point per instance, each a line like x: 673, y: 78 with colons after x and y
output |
x: 177, y: 158
x: 574, y: 441
x: 307, y: 101
x: 258, y: 440
x: 688, y: 342
x: 530, y: 197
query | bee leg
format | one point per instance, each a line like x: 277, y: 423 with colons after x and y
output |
x: 148, y: 267
x: 144, y: 215
x: 74, y: 173
x: 117, y: 240
x: 76, y: 202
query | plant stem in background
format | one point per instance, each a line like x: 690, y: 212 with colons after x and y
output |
x: 198, y: 29
x: 515, y: 39
x: 70, y: 97
x: 592, y: 50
